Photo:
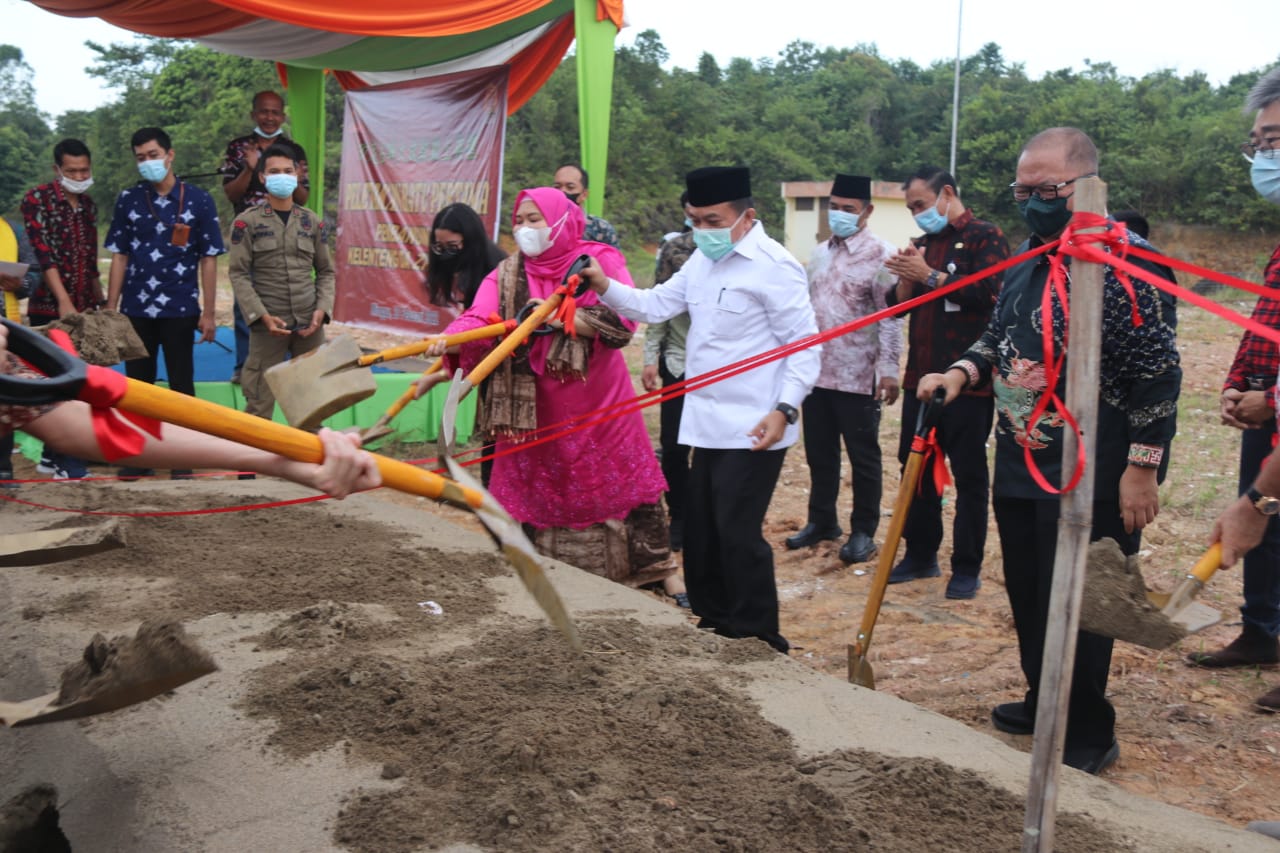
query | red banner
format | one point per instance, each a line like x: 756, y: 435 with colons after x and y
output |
x: 409, y: 149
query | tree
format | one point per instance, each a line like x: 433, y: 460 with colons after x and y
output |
x: 25, y: 143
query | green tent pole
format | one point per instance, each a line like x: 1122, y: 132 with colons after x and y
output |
x: 594, y: 57
x: 306, y: 124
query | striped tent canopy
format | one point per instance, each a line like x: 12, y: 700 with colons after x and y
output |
x: 372, y: 42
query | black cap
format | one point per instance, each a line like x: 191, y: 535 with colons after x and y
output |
x: 852, y: 186
x: 718, y: 184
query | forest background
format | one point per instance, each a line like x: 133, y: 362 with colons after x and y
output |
x: 1170, y: 144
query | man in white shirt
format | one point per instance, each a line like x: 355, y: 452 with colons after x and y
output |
x: 745, y: 295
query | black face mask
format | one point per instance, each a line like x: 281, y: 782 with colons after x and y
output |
x: 573, y: 198
x: 1045, y: 218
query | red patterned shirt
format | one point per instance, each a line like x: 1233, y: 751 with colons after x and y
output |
x: 235, y: 161
x: 66, y: 238
x: 941, y: 330
x: 1258, y: 359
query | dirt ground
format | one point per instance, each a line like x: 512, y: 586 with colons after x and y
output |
x: 348, y: 640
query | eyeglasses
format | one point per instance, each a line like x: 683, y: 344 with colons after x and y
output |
x: 1269, y: 148
x: 1045, y: 192
x: 441, y: 248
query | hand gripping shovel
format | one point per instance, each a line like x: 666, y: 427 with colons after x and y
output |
x: 530, y: 322
x: 860, y: 671
x: 70, y: 379
x: 334, y: 376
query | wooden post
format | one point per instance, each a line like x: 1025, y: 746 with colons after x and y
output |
x: 1074, y: 525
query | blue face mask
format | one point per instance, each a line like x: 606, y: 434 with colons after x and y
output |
x: 843, y: 224
x: 715, y: 243
x: 1265, y: 174
x: 153, y: 170
x: 281, y: 186
x: 931, y: 221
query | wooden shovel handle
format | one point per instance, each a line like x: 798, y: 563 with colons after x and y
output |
x: 419, y: 347
x: 210, y: 418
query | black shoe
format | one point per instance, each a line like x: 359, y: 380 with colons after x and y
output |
x: 811, y: 534
x: 1091, y: 759
x: 1013, y: 718
x: 131, y: 474
x: 249, y: 476
x: 182, y: 474
x: 858, y: 549
x: 6, y: 477
x: 1254, y: 647
x: 963, y: 587
x: 911, y: 569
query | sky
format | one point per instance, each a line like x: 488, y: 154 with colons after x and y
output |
x: 1137, y: 38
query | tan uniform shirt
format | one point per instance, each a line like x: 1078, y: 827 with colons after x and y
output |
x: 278, y: 268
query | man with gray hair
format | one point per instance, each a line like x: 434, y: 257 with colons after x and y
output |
x: 1249, y: 405
x: 1138, y: 397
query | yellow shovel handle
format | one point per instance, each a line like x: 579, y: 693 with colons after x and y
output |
x: 1208, y: 565
x: 212, y: 419
x: 513, y: 340
x: 419, y: 347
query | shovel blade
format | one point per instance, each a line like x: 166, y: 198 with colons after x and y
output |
x: 41, y: 547
x: 43, y: 709
x: 321, y: 383
x: 504, y: 529
x: 860, y: 672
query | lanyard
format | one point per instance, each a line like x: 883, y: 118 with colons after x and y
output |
x: 182, y: 191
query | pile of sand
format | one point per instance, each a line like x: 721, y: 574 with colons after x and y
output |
x: 1115, y: 602
x: 159, y: 654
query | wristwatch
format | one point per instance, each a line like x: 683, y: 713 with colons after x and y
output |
x: 932, y: 281
x: 792, y: 414
x: 1262, y: 503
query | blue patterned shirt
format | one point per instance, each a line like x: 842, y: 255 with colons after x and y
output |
x: 160, y: 279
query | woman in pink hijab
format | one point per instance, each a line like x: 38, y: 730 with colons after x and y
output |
x: 592, y: 497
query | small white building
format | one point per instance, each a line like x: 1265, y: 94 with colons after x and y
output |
x: 805, y: 222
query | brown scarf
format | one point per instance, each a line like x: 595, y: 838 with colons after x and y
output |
x: 510, y: 408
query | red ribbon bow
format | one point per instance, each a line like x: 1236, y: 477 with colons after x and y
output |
x: 568, y: 305
x: 102, y: 390
x: 934, y: 460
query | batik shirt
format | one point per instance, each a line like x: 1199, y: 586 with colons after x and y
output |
x: 233, y: 163
x: 600, y: 231
x: 1139, y: 378
x: 160, y: 278
x: 942, y: 328
x: 666, y: 338
x: 64, y: 238
x: 1257, y: 358
x: 847, y: 280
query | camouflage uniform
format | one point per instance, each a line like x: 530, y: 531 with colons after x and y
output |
x: 282, y: 269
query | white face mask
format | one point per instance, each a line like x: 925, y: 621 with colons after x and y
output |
x: 265, y: 135
x: 75, y: 187
x: 533, y: 241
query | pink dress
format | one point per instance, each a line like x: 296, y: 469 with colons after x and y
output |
x: 590, y: 475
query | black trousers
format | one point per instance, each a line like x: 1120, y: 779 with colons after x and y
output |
x: 829, y: 417
x: 1261, y: 565
x: 962, y: 435
x: 1028, y: 540
x: 176, y: 336
x: 728, y: 565
x: 675, y: 456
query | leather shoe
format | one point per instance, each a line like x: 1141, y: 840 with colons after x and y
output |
x: 1253, y: 647
x: 1269, y: 701
x: 129, y: 473
x: 1091, y: 759
x: 911, y: 569
x: 1269, y: 828
x: 811, y: 534
x: 858, y: 549
x: 963, y: 587
x: 1013, y: 718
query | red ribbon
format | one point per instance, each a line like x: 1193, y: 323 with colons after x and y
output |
x: 934, y: 459
x: 102, y: 390
x: 568, y: 305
